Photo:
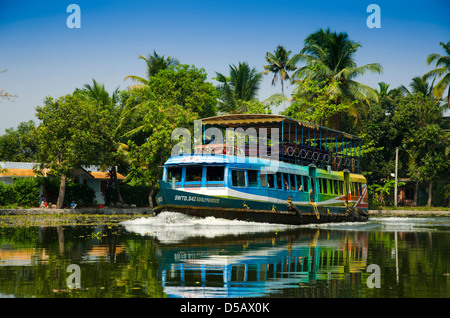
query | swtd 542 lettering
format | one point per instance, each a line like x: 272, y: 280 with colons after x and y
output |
x: 246, y: 307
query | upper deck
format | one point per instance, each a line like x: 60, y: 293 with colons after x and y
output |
x: 284, y: 139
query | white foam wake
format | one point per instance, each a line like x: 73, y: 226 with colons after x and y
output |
x: 173, y: 227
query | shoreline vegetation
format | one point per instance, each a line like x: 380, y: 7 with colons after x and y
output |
x: 113, y: 216
x: 52, y: 220
x: 26, y: 217
x: 129, y: 131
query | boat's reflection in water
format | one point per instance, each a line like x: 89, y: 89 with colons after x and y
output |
x: 218, y: 258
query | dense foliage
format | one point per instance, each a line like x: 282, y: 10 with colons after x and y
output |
x: 132, y: 129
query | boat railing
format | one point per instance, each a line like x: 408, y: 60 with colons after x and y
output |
x: 289, y: 152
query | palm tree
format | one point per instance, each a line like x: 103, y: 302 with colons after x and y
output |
x: 418, y: 85
x: 442, y: 69
x: 242, y: 85
x: 155, y: 63
x: 329, y: 58
x: 279, y: 64
x: 384, y: 89
x: 97, y: 91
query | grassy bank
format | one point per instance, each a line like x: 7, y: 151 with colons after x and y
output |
x: 412, y: 208
x: 410, y: 211
x: 26, y: 220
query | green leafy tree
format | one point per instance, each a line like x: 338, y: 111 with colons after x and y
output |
x: 312, y: 102
x: 242, y: 84
x: 19, y: 144
x: 161, y: 117
x: 423, y: 140
x: 110, y: 102
x: 186, y: 86
x: 330, y: 59
x: 253, y: 107
x: 428, y: 158
x: 73, y: 132
x: 380, y: 138
x: 173, y: 99
x: 279, y: 64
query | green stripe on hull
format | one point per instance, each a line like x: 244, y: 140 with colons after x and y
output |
x: 237, y: 208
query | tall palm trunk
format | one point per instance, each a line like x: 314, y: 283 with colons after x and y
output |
x: 113, y: 171
x: 448, y: 96
x: 154, y: 183
x: 416, y: 194
x: 430, y: 186
x: 337, y: 121
x: 62, y: 192
x: 282, y: 93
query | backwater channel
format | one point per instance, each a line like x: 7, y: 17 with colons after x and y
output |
x: 173, y: 255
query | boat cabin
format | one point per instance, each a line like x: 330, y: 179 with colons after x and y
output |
x: 297, y: 142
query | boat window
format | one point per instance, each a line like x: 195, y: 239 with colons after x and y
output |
x: 356, y: 188
x: 252, y: 178
x: 279, y: 180
x: 194, y: 173
x: 299, y: 183
x: 292, y: 176
x: 238, y: 178
x: 215, y: 173
x: 305, y: 184
x: 360, y: 189
x: 319, y: 182
x: 341, y: 187
x: 335, y: 187
x: 263, y: 178
x: 285, y: 181
x: 174, y: 172
x: 325, y: 185
x: 271, y: 180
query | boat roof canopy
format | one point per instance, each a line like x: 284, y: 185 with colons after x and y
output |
x: 269, y: 121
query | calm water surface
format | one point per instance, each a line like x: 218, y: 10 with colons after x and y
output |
x: 177, y: 256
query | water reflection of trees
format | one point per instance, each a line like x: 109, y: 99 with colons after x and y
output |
x: 413, y: 263
x: 112, y: 263
x: 306, y: 263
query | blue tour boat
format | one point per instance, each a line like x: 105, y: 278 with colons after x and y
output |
x: 308, y: 174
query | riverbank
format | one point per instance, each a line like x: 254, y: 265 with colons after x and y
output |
x: 408, y: 213
x: 147, y: 210
x: 100, y: 211
x: 58, y: 217
x: 110, y: 216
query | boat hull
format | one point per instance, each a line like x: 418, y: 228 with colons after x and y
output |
x: 198, y: 205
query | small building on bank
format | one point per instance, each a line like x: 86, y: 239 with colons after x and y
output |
x: 91, y: 176
x: 411, y: 193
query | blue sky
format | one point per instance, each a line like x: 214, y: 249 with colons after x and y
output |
x: 43, y: 57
